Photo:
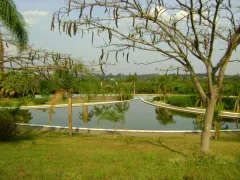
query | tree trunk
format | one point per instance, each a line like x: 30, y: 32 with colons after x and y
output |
x: 70, y: 130
x: 1, y: 54
x: 114, y: 133
x: 134, y: 88
x: 208, y: 118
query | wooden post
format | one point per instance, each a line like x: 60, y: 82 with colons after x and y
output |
x: 70, y: 130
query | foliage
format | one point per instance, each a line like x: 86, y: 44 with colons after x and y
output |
x: 113, y: 116
x: 39, y: 101
x: 228, y: 103
x: 13, y: 21
x: 157, y: 98
x: 8, y: 127
x: 20, y: 82
x: 132, y: 78
x: 46, y: 88
x: 183, y: 101
x: 8, y: 120
x: 125, y: 96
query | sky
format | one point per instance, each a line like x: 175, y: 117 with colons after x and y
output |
x: 38, y: 15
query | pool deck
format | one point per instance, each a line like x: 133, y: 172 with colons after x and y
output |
x: 190, y: 109
x: 121, y: 132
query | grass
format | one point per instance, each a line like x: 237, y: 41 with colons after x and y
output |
x: 41, y: 155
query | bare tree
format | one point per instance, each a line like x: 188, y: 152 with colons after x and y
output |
x: 179, y: 30
x: 44, y: 64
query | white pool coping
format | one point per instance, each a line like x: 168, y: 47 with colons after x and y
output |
x: 191, y: 109
x: 122, y: 130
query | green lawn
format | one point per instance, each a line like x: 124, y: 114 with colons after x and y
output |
x: 41, y: 155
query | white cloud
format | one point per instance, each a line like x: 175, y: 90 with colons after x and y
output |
x: 31, y: 17
x: 35, y: 13
x: 30, y: 20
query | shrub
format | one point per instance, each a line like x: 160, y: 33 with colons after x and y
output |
x: 182, y: 101
x: 8, y: 120
x: 228, y: 103
x: 125, y: 96
x: 8, y: 127
x: 39, y: 101
x: 157, y: 98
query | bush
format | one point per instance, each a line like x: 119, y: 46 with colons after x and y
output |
x: 39, y: 101
x: 126, y: 96
x: 157, y: 98
x: 182, y: 101
x: 8, y: 126
x: 228, y: 103
x: 8, y: 120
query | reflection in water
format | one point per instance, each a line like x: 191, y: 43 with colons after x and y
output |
x: 86, y: 115
x: 164, y: 116
x: 23, y: 116
x: 121, y: 107
x: 218, y: 124
x: 236, y: 121
x: 198, y: 122
x: 114, y: 113
x: 98, y: 109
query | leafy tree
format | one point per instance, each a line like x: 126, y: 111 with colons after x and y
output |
x: 14, y: 22
x: 9, y: 118
x: 192, y: 34
x: 21, y: 82
x: 113, y: 116
x: 133, y: 79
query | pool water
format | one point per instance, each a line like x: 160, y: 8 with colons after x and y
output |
x: 138, y: 116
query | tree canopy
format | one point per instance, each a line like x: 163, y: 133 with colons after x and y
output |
x: 14, y: 22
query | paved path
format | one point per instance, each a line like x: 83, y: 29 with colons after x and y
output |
x: 190, y: 109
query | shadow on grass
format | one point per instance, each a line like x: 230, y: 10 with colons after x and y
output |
x: 26, y: 135
x: 160, y: 144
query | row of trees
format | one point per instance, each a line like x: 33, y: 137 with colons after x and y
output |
x: 20, y: 84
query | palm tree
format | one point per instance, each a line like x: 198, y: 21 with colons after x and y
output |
x: 113, y: 116
x: 14, y: 22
